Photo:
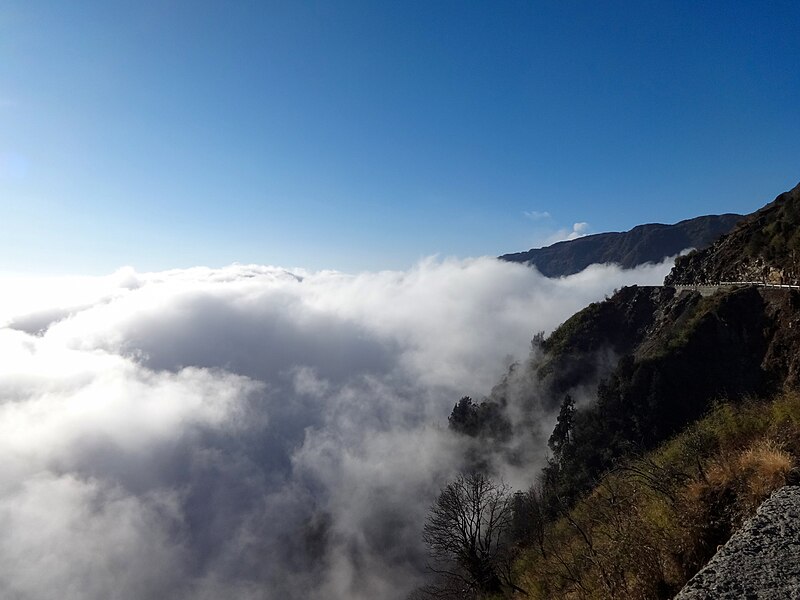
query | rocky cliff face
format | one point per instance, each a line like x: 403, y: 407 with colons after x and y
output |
x: 685, y: 353
x: 644, y: 364
x: 764, y: 247
x: 737, y: 331
x: 642, y: 244
x: 761, y: 560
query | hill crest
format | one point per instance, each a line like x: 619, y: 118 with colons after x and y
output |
x: 648, y: 243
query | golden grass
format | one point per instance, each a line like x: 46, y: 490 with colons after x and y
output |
x: 649, y: 526
x: 763, y: 468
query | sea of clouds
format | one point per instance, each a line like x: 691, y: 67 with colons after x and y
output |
x: 249, y: 431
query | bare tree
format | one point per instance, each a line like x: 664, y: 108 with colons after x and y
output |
x: 466, y: 534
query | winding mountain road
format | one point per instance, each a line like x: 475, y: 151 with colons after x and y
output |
x: 709, y: 289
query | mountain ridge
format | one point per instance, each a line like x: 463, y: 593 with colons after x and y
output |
x: 647, y: 243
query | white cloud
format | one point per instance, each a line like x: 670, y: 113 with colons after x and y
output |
x: 249, y: 431
x: 535, y: 215
x: 578, y: 230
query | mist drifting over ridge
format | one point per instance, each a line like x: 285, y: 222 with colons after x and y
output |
x: 249, y: 432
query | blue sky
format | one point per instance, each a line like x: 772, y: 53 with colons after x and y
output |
x: 365, y: 135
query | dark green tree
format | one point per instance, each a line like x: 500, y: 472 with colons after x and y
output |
x: 562, y: 432
x: 465, y: 418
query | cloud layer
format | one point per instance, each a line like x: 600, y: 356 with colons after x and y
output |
x: 248, y: 432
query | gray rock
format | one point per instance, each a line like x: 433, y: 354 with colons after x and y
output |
x: 761, y: 560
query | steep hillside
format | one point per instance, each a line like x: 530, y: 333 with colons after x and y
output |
x: 764, y: 247
x: 642, y: 370
x: 644, y: 243
x: 652, y: 522
x: 648, y: 361
x: 642, y: 365
x: 691, y: 350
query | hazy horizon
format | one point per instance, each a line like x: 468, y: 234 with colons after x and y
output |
x: 251, y: 432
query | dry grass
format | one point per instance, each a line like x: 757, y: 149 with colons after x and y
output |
x: 763, y: 468
x: 648, y: 527
x: 747, y: 478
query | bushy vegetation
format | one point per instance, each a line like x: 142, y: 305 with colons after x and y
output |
x: 778, y: 234
x: 652, y: 522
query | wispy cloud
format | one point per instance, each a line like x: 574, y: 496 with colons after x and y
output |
x: 535, y: 215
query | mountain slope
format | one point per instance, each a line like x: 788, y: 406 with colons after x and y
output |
x: 764, y: 247
x: 642, y: 244
x: 627, y: 375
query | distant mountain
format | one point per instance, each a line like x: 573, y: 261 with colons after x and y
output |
x: 764, y: 247
x: 642, y: 244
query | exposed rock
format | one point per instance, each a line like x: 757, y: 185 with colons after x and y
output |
x: 761, y: 560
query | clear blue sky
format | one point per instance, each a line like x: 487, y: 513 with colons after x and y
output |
x: 365, y: 135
